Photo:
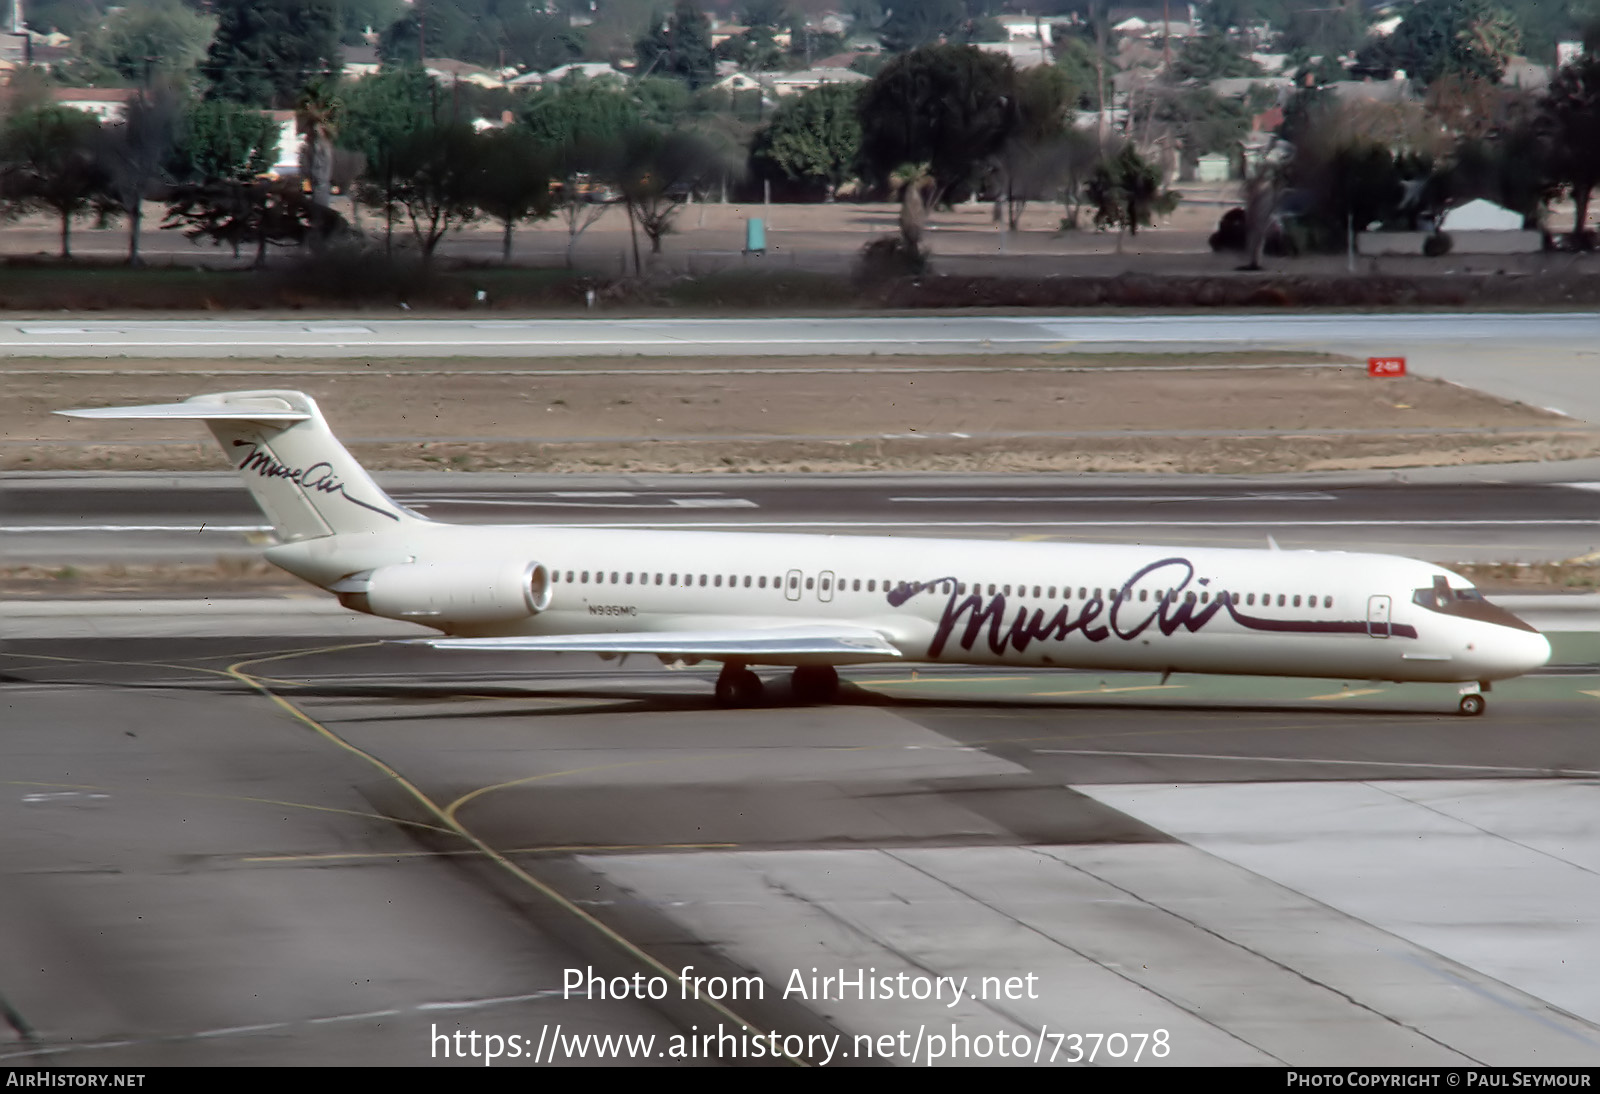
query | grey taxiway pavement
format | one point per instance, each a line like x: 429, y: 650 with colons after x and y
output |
x: 1516, y: 513
x: 239, y: 849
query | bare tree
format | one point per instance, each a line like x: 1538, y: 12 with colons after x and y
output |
x: 134, y: 153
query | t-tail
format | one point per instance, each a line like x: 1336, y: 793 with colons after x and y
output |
x: 305, y: 481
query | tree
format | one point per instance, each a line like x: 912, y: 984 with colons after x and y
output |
x: 540, y: 42
x: 656, y: 172
x: 222, y: 141
x: 357, y: 16
x: 134, y: 153
x: 952, y: 107
x: 436, y: 177
x: 513, y: 181
x: 756, y: 50
x: 1032, y: 161
x: 1126, y: 193
x: 581, y: 122
x: 147, y: 38
x: 914, y: 23
x: 316, y: 111
x: 577, y: 110
x: 375, y: 116
x: 814, y: 137
x: 1201, y: 121
x: 1444, y: 37
x: 1570, y: 122
x: 1263, y: 183
x: 265, y: 51
x: 51, y: 150
x: 260, y: 211
x: 679, y: 45
x: 1211, y: 57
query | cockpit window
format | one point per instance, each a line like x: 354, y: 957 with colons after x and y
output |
x: 1465, y: 603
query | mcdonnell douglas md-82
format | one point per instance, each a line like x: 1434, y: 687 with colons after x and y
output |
x: 815, y: 602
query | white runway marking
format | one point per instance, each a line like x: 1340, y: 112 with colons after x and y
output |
x: 1137, y: 498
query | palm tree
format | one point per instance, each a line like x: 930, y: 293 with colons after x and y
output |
x: 316, y: 118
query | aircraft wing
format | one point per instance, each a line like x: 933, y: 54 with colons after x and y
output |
x: 843, y: 641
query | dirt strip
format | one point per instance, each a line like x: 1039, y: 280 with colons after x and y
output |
x: 887, y: 415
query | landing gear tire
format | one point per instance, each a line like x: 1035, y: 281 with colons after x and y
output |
x: 737, y: 686
x: 815, y: 684
x: 1473, y: 705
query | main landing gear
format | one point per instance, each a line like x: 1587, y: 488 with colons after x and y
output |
x: 815, y: 684
x: 737, y: 686
x: 1472, y: 701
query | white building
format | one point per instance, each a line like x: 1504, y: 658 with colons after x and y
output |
x: 108, y: 104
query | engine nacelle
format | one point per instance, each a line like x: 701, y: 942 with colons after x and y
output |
x: 450, y: 592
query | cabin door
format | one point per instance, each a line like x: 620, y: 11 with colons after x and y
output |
x: 1378, y: 616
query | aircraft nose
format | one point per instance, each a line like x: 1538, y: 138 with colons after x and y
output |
x: 1517, y: 652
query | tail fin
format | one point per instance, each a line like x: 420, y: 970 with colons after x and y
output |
x: 302, y: 477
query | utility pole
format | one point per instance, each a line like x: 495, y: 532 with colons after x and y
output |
x: 1166, y: 38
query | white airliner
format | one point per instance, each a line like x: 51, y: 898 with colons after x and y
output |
x: 814, y: 602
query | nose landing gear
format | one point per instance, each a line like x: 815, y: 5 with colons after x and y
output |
x: 1472, y: 701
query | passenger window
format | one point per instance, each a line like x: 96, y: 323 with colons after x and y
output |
x: 659, y: 578
x: 616, y: 578
x: 872, y: 585
x: 1327, y: 602
x: 1097, y: 595
x: 826, y: 587
x: 991, y: 590
x: 855, y: 585
x: 1188, y: 598
x: 794, y: 583
x: 702, y: 581
x: 1052, y: 592
x: 717, y: 581
x: 811, y: 583
x: 585, y: 578
x: 763, y: 583
x: 1144, y: 594
x: 1297, y: 600
x: 1280, y: 600
x: 1205, y: 598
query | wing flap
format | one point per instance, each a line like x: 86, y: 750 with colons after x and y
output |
x: 769, y: 642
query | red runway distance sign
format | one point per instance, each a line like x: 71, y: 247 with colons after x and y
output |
x: 1386, y: 366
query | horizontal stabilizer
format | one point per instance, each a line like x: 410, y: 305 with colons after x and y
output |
x: 754, y: 643
x: 200, y: 410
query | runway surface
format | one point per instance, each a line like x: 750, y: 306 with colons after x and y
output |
x: 246, y: 850
x: 77, y: 337
x: 83, y: 519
